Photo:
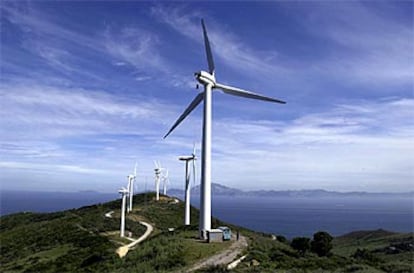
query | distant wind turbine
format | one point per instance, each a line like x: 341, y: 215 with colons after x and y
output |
x: 124, y: 194
x: 131, y: 180
x: 187, y: 160
x: 165, y: 181
x: 158, y: 171
x: 208, y: 80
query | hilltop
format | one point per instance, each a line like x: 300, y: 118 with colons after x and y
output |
x: 85, y: 240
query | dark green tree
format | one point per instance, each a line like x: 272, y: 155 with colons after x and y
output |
x: 301, y: 244
x: 281, y: 239
x: 322, y: 243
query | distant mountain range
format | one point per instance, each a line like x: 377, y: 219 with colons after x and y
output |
x: 220, y: 190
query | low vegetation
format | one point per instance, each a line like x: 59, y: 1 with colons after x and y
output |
x: 365, y: 251
x: 84, y: 240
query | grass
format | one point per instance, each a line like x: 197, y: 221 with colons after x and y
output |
x: 196, y: 249
x: 346, y: 245
x: 267, y: 255
x: 84, y: 240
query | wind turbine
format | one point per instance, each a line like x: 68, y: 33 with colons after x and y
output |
x: 131, y: 180
x: 158, y: 171
x: 187, y: 160
x: 208, y: 80
x: 124, y: 194
x: 165, y: 181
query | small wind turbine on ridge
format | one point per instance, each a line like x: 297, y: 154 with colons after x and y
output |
x: 187, y: 160
x: 165, y: 181
x: 158, y: 171
x: 124, y: 194
x: 208, y: 80
x: 131, y: 180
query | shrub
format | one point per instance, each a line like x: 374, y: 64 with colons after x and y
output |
x: 281, y: 239
x: 366, y: 256
x: 301, y: 244
x: 322, y: 243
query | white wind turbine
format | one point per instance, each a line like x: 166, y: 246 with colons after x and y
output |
x: 187, y: 160
x: 165, y: 181
x: 131, y: 180
x: 208, y: 80
x: 124, y: 194
x: 158, y: 172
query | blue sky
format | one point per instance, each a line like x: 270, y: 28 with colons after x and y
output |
x: 88, y: 88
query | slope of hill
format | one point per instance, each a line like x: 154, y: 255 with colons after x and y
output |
x: 85, y: 240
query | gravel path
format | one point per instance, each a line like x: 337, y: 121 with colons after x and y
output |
x: 224, y: 257
x: 123, y: 250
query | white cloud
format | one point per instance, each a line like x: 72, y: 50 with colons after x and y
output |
x: 362, y: 48
x: 372, y: 47
x: 362, y: 146
x: 34, y: 112
x: 51, y: 168
x: 136, y: 47
x: 59, y: 42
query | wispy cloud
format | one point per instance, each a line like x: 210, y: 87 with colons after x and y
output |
x: 72, y: 111
x: 363, y: 145
x: 364, y: 47
x: 59, y: 44
x: 372, y: 47
x: 66, y: 102
x: 54, y: 168
x: 232, y: 50
x: 136, y: 47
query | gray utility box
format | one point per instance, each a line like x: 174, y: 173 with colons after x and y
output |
x: 215, y: 235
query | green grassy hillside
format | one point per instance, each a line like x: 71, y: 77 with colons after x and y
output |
x: 361, y: 251
x: 84, y: 240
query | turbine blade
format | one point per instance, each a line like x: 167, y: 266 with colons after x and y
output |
x: 194, y: 149
x: 208, y: 49
x: 135, y: 169
x: 244, y: 93
x: 194, y: 173
x: 187, y: 111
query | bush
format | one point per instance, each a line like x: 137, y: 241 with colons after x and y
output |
x: 322, y: 243
x: 281, y: 239
x: 301, y: 244
x: 366, y: 256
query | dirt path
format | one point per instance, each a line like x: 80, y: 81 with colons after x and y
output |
x: 123, y: 250
x: 224, y: 257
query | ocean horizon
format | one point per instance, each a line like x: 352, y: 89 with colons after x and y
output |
x: 287, y: 216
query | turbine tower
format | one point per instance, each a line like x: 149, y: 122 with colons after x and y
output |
x: 208, y: 80
x: 131, y: 180
x: 165, y: 181
x: 187, y: 160
x: 158, y: 171
x: 124, y: 194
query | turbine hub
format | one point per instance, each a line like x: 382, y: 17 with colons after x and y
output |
x: 205, y: 78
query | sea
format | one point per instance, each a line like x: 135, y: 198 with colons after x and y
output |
x: 287, y: 216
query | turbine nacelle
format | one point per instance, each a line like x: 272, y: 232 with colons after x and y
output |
x: 186, y: 158
x: 205, y: 78
x: 123, y: 191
